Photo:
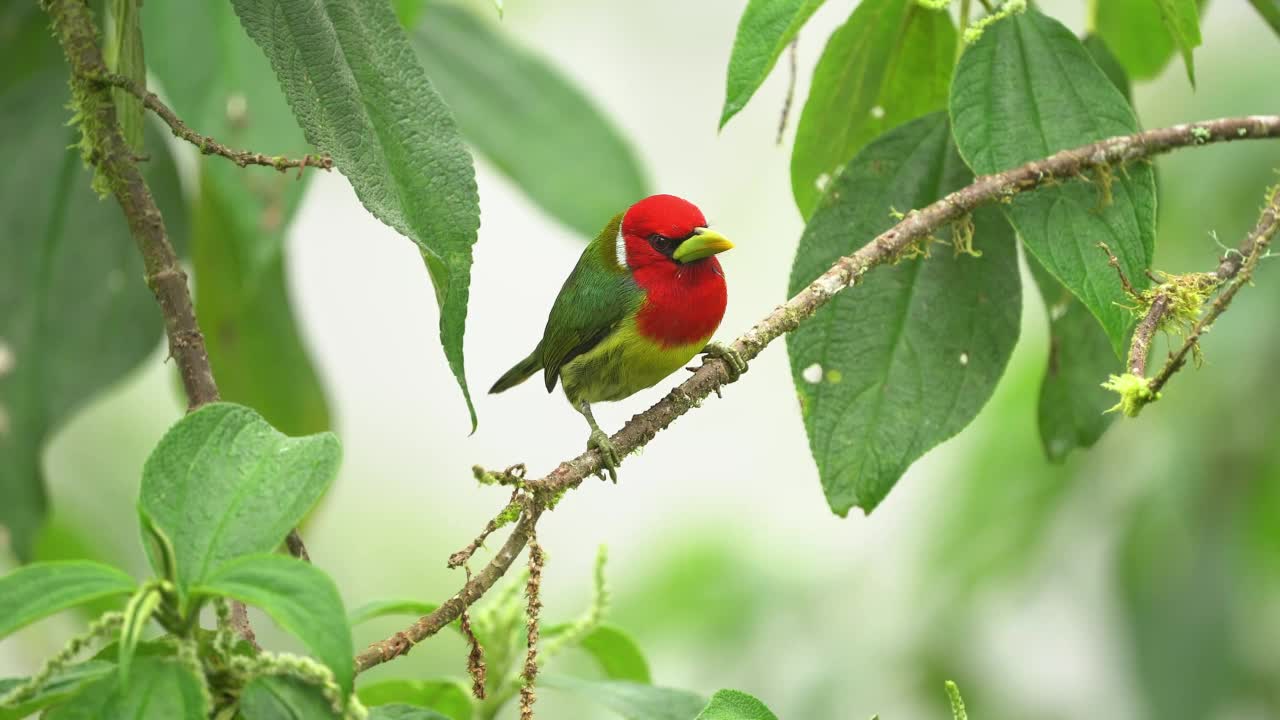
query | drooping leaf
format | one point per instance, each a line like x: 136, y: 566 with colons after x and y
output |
x: 617, y: 654
x: 60, y: 686
x: 157, y: 688
x: 284, y: 698
x: 359, y: 94
x: 1270, y: 12
x: 382, y: 608
x: 1007, y: 107
x: 633, y: 701
x: 890, y: 369
x: 299, y: 597
x: 41, y: 589
x: 223, y: 483
x: 765, y: 30
x: 889, y: 63
x: 1134, y: 32
x: 218, y: 81
x: 1181, y: 19
x: 404, y: 712
x: 75, y: 314
x: 1073, y: 402
x: 735, y: 705
x: 526, y: 117
x: 446, y: 696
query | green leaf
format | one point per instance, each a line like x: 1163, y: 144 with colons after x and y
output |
x: 904, y: 361
x: 735, y: 705
x: 350, y: 76
x: 526, y: 117
x: 157, y: 688
x: 223, y: 483
x: 382, y: 608
x: 124, y: 57
x: 889, y: 63
x: 1072, y: 399
x: 1025, y: 90
x: 633, y: 701
x: 38, y: 590
x: 446, y: 696
x: 218, y: 81
x: 1181, y: 19
x: 136, y: 614
x: 75, y: 314
x: 403, y: 712
x: 284, y: 698
x: 617, y: 654
x: 765, y: 30
x: 299, y: 597
x: 1109, y: 65
x: 61, y: 685
x: 1270, y: 12
x: 1133, y: 31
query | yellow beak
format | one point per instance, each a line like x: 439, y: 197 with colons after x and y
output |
x: 703, y: 244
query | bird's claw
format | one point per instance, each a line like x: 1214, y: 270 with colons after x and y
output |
x: 733, y: 359
x: 609, y: 460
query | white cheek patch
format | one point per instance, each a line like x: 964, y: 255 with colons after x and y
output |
x: 621, y: 247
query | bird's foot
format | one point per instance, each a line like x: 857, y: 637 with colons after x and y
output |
x: 733, y: 359
x: 609, y: 460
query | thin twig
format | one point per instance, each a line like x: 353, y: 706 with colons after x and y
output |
x: 1144, y: 333
x: 206, y: 144
x: 791, y: 87
x: 461, y: 557
x: 1237, y: 273
x: 715, y: 372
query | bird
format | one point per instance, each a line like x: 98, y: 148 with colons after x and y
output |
x: 645, y: 297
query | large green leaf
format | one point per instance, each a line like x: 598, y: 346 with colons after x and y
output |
x: 1025, y: 90
x: 1133, y: 30
x: 158, y: 687
x: 61, y: 685
x: 765, y: 30
x: 527, y: 118
x: 356, y: 88
x: 218, y: 81
x: 446, y: 696
x: 1073, y: 403
x: 223, y: 483
x: 889, y: 63
x: 735, y: 705
x: 1270, y: 12
x: 904, y: 361
x: 614, y: 651
x: 75, y: 315
x: 42, y: 589
x: 1181, y: 19
x: 633, y: 701
x: 299, y: 597
x: 404, y: 712
x: 284, y: 698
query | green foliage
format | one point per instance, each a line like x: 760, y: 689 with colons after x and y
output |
x: 617, y: 654
x: 1109, y: 64
x: 124, y: 56
x: 223, y: 483
x: 157, y: 687
x: 886, y: 373
x: 284, y: 698
x: 1181, y: 19
x: 1270, y: 12
x: 1007, y: 111
x: 735, y: 705
x: 404, y: 712
x: 765, y: 30
x: 446, y: 696
x: 38, y: 590
x: 382, y: 608
x: 61, y: 685
x: 299, y: 597
x: 633, y: 701
x: 957, y: 702
x: 1133, y: 30
x: 889, y: 63
x: 526, y: 117
x: 349, y: 74
x: 74, y: 315
x: 217, y: 80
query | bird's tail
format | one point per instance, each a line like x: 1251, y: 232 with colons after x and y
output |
x: 518, y: 374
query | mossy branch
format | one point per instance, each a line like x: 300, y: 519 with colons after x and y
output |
x: 715, y: 373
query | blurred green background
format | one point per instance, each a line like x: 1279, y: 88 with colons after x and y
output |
x: 1140, y: 579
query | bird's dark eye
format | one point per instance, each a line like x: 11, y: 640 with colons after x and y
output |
x: 662, y: 243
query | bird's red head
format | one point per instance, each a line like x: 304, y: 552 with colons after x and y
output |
x: 666, y: 229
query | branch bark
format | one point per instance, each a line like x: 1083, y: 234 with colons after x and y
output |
x: 714, y: 373
x: 115, y: 164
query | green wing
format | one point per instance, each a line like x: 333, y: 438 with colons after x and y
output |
x: 596, y: 298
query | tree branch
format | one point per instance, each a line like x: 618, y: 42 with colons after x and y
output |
x: 206, y: 144
x: 715, y: 373
x: 115, y: 165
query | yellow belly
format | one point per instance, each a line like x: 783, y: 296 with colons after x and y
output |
x: 622, y: 365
